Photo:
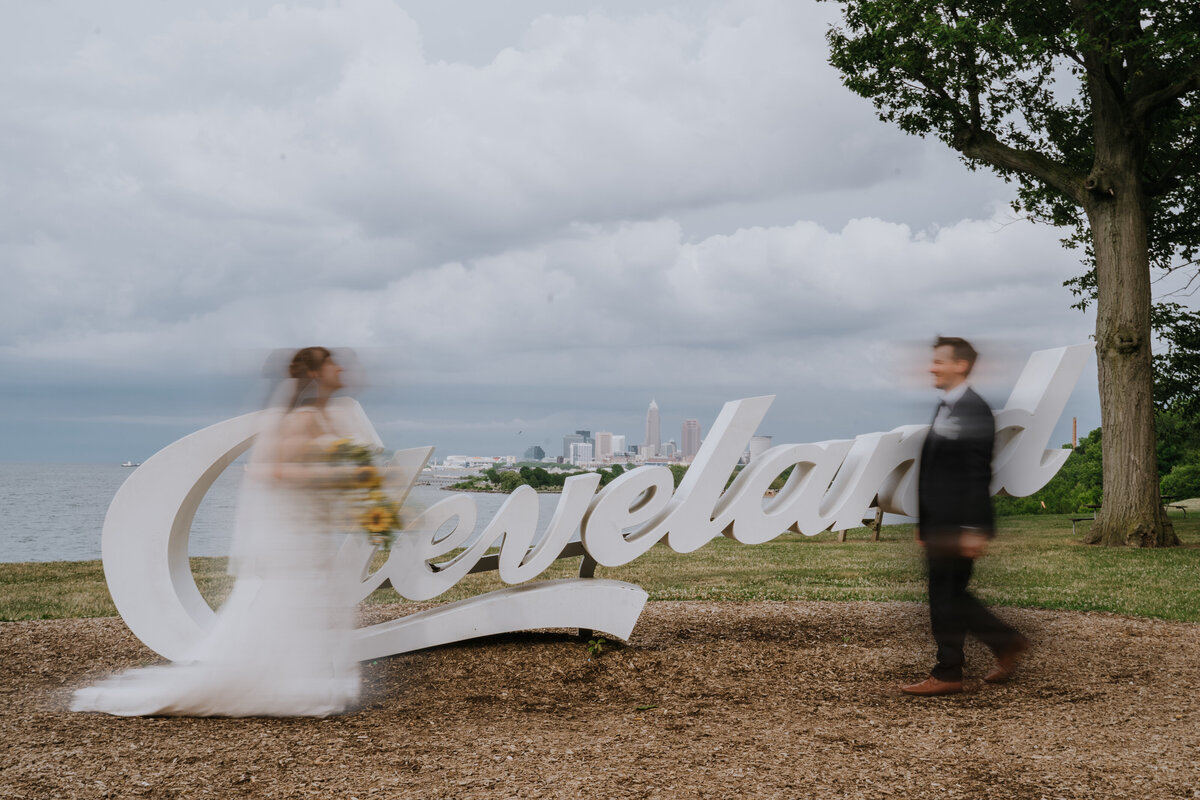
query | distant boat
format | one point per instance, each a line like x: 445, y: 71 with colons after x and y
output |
x: 132, y: 464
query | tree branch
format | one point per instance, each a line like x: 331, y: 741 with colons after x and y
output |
x: 1162, y: 185
x: 940, y: 92
x: 1149, y: 101
x: 967, y: 54
x: 984, y: 146
x: 1169, y: 177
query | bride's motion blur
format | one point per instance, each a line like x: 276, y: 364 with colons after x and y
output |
x: 281, y: 643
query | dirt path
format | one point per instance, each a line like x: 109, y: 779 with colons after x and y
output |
x: 772, y: 700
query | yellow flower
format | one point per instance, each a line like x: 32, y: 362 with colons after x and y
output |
x: 367, y: 477
x: 378, y: 520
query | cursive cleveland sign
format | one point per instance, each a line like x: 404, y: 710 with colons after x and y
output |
x: 833, y: 483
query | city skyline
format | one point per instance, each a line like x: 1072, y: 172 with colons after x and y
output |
x: 610, y: 446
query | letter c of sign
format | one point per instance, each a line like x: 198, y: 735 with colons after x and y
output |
x: 148, y: 574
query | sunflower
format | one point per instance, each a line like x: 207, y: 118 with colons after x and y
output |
x: 378, y: 520
x: 367, y: 477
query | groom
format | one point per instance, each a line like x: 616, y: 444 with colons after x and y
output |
x: 955, y: 523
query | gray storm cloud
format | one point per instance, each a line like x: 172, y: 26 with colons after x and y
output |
x: 662, y: 196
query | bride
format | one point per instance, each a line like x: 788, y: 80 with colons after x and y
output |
x: 281, y: 643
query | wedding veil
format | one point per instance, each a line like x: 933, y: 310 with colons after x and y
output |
x: 252, y: 541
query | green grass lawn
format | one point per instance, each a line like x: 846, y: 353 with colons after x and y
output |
x: 1034, y: 562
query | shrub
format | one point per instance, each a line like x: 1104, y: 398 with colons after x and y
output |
x: 1183, y: 482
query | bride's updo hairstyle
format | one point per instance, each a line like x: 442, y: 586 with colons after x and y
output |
x: 304, y: 363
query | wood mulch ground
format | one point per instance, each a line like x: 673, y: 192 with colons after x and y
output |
x: 715, y: 700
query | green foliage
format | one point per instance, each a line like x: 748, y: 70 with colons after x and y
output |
x: 607, y: 475
x: 534, y: 476
x: 1077, y: 484
x: 1183, y: 482
x: 677, y: 472
x: 537, y: 477
x: 782, y: 478
x: 1177, y: 369
x: 509, y: 481
x: 1177, y: 438
x: 596, y: 646
x: 1177, y: 432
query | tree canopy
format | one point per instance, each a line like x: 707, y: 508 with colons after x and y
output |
x: 1090, y: 106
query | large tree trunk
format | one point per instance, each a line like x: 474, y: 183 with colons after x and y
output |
x: 1132, y: 511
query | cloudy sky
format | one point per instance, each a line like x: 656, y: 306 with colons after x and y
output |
x: 526, y: 217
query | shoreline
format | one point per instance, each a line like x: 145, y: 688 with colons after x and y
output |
x: 554, y: 490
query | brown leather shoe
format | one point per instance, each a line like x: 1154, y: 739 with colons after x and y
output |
x: 932, y: 687
x: 1007, y: 660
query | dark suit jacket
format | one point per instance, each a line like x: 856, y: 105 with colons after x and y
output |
x: 956, y: 469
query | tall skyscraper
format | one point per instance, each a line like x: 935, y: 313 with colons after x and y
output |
x: 689, y: 439
x: 619, y: 443
x: 604, y: 445
x: 653, y: 439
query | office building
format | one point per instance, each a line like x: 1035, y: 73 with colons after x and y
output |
x: 581, y: 454
x: 653, y: 438
x: 568, y: 440
x: 603, y: 445
x: 689, y: 439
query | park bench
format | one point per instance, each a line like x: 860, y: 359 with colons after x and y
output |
x: 1166, y: 501
x: 1092, y: 518
x: 874, y: 525
x: 1165, y: 504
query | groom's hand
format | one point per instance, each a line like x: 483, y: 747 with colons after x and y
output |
x: 971, y: 544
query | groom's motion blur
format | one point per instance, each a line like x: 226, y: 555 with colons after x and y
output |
x: 955, y: 523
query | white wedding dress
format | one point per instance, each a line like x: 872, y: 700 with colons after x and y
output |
x: 280, y: 645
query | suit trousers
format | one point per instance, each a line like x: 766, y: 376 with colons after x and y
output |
x: 954, y: 612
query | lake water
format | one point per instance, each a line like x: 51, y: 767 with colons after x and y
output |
x: 55, y: 512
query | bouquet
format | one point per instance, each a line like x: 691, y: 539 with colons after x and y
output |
x: 374, y: 513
